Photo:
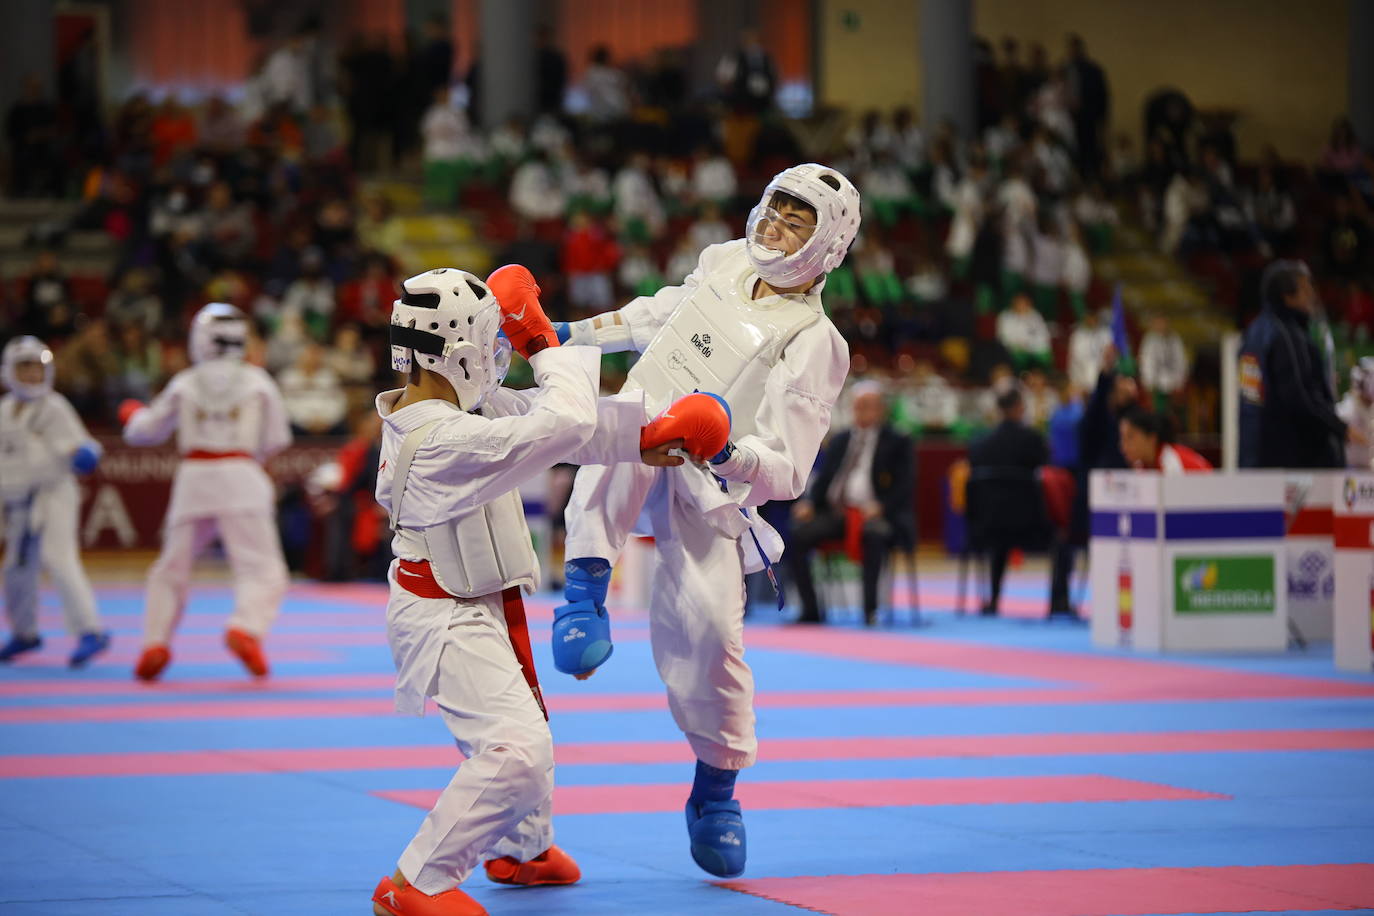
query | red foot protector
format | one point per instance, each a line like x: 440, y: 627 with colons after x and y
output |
x: 853, y: 793
x: 1086, y: 892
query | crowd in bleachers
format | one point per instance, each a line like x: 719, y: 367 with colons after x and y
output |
x: 973, y: 271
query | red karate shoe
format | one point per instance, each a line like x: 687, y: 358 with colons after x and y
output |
x: 151, y: 663
x: 552, y: 866
x: 390, y: 900
x: 248, y: 650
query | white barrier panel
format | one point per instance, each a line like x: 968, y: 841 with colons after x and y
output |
x: 1188, y: 562
x: 1353, y: 530
x: 1310, y: 561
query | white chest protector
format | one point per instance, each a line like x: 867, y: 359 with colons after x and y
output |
x: 720, y: 339
x: 219, y: 410
x: 484, y: 552
x: 26, y: 461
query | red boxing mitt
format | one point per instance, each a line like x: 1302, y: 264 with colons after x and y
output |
x: 701, y: 420
x: 127, y: 408
x: 522, y: 317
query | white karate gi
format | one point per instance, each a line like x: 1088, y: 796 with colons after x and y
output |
x: 702, y: 539
x: 42, y: 503
x: 229, y: 418
x: 457, y: 651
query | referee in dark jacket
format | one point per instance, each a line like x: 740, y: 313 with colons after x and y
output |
x: 1287, y: 408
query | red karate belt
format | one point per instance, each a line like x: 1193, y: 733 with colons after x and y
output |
x: 197, y: 454
x: 416, y: 577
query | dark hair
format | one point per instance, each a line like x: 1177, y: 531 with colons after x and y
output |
x: 1009, y: 400
x: 1149, y: 423
x: 1280, y: 280
x: 782, y: 199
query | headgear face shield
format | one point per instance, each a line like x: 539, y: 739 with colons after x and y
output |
x: 448, y: 321
x: 21, y: 356
x: 785, y: 248
x: 219, y: 331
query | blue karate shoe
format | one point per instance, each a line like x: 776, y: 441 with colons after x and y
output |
x: 716, y: 829
x: 18, y: 645
x: 87, y: 647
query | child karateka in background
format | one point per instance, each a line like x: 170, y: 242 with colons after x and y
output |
x: 229, y: 419
x: 455, y: 446
x: 43, y: 445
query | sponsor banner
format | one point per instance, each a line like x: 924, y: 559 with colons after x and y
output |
x: 124, y: 501
x: 1112, y: 524
x: 1212, y: 584
x: 1214, y: 525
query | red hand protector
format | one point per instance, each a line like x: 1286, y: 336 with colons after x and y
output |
x: 127, y: 408
x: 522, y: 317
x: 698, y: 419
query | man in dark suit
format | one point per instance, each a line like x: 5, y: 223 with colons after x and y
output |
x: 1007, y: 510
x: 867, y: 478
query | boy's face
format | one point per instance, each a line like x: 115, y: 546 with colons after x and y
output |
x: 788, y: 227
x: 29, y: 373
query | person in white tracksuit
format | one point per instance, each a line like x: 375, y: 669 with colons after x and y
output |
x: 228, y: 418
x: 455, y: 447
x: 1357, y: 410
x: 747, y: 324
x: 43, y: 445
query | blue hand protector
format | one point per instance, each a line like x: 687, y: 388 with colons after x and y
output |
x: 582, y: 627
x: 561, y: 329
x: 85, y: 458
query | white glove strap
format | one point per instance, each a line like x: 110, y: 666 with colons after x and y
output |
x: 609, y: 331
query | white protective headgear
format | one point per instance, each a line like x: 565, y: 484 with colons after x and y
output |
x: 836, y: 202
x: 26, y: 350
x: 448, y: 321
x: 218, y: 331
x: 1362, y: 377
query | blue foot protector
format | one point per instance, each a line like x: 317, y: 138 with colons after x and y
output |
x: 714, y: 822
x: 87, y: 647
x: 716, y: 829
x: 18, y: 645
x: 582, y: 627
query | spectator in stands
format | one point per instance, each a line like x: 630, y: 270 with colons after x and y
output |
x: 746, y: 77
x: 1163, y: 362
x: 863, y: 495
x: 1272, y: 211
x: 682, y: 261
x: 48, y: 311
x: 887, y: 190
x: 909, y: 141
x: 135, y: 303
x: 447, y: 150
x: 1077, y: 272
x: 1089, y: 102
x: 638, y: 209
x: 876, y: 270
x: 1343, y: 157
x: 585, y: 184
x: 352, y: 362
x: 139, y: 359
x: 535, y: 192
x: 173, y: 131
x: 638, y: 274
x: 1087, y: 344
x: 1041, y: 400
x: 367, y: 299
x: 288, y: 339
x: 1345, y: 239
x: 314, y: 397
x: 1357, y: 410
x: 925, y: 401
x: 1147, y: 442
x: 928, y: 283
x: 311, y: 295
x: 969, y: 204
x: 713, y: 176
x: 590, y: 256
x: 227, y: 232
x: 31, y: 128
x: 1047, y: 265
x: 1001, y: 139
x: 87, y: 367
x: 1023, y: 331
x: 1097, y: 216
x: 1010, y: 447
x: 551, y: 71
x: 285, y: 79
x: 606, y: 88
x: 1063, y: 428
x: 378, y: 229
x: 1001, y: 379
x: 709, y: 228
x: 1288, y: 413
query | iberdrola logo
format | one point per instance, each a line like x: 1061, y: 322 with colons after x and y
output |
x: 1200, y: 577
